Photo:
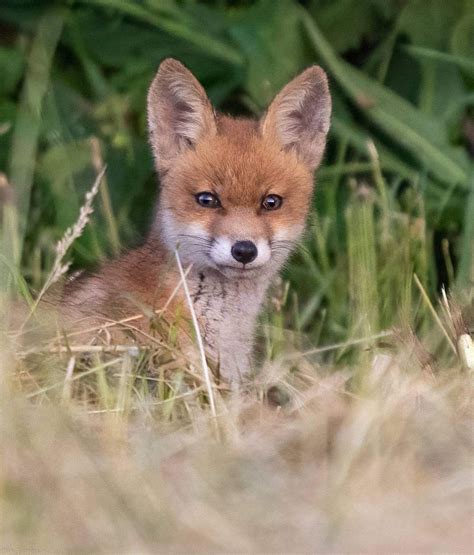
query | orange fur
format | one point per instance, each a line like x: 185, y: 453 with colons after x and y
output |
x: 240, y: 162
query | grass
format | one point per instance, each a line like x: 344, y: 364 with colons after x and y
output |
x: 110, y: 457
x: 360, y: 446
x: 355, y: 432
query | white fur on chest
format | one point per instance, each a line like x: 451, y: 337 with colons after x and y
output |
x: 227, y: 311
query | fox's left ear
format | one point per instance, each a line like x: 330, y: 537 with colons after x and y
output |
x: 179, y: 113
x: 299, y: 116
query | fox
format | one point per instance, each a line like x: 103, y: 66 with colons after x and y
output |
x: 233, y: 201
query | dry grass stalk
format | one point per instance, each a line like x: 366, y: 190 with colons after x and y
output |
x: 60, y: 267
x: 431, y: 308
x: 75, y: 231
x: 202, y: 353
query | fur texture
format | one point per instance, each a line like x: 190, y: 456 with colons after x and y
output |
x: 240, y: 162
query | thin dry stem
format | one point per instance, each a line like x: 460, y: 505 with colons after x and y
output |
x: 72, y: 233
x: 437, y: 319
x: 202, y: 353
x: 340, y: 345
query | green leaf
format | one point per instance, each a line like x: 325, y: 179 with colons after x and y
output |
x: 209, y: 45
x: 270, y: 36
x: 444, y: 90
x: 12, y: 64
x: 358, y: 139
x: 7, y: 117
x: 423, y: 136
x: 429, y: 23
x: 27, y: 125
x: 462, y: 61
x: 462, y: 43
x: 347, y: 23
x: 466, y: 263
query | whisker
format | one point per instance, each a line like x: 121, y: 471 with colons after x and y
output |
x: 290, y: 245
x: 182, y: 247
x: 286, y: 246
x: 193, y: 245
x: 282, y: 249
x: 284, y: 242
x: 196, y: 237
x: 193, y: 248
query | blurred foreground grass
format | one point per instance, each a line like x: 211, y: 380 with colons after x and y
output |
x: 371, y: 458
x: 356, y: 434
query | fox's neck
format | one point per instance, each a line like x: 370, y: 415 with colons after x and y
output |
x: 227, y: 311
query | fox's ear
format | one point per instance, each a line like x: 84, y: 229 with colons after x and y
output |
x: 299, y: 116
x: 179, y: 112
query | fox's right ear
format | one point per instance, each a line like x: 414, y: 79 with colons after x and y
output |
x: 179, y: 112
x: 298, y: 118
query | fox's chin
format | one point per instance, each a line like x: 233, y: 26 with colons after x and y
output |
x: 234, y: 272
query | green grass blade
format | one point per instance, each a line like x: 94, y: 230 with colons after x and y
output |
x: 422, y: 135
x: 390, y: 161
x: 466, y: 263
x: 430, y: 54
x: 26, y: 134
x: 362, y: 267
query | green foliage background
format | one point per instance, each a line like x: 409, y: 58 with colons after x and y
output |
x: 394, y: 196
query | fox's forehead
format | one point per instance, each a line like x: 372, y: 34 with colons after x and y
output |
x: 239, y: 164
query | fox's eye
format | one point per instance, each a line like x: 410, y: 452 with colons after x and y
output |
x: 208, y: 200
x: 271, y: 202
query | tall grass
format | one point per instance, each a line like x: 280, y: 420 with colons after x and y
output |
x: 354, y: 433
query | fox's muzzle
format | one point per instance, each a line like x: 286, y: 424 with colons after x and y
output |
x: 244, y: 251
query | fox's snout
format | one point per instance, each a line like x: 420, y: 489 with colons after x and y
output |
x: 244, y: 251
x: 239, y: 254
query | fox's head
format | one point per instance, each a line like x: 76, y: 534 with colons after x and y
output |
x: 235, y: 193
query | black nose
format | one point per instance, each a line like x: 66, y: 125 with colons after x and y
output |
x: 244, y: 251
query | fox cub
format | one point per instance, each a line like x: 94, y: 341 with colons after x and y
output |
x: 234, y: 197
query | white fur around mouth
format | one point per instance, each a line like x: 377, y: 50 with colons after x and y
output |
x: 221, y: 254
